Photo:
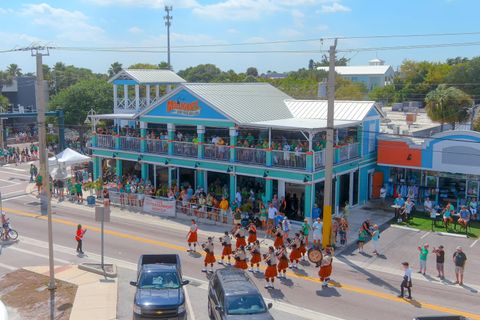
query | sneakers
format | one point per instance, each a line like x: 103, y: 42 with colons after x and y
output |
x: 220, y: 262
x: 204, y: 270
x: 250, y: 269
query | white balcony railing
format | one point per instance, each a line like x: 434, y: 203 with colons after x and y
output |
x: 289, y: 159
x: 347, y: 152
x: 216, y: 152
x: 319, y: 158
x: 130, y: 144
x: 105, y: 141
x: 251, y: 155
x: 157, y: 146
x: 185, y: 149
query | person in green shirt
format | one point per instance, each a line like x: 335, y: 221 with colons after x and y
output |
x: 39, y: 182
x: 362, y: 237
x: 306, y: 230
x: 250, y: 139
x: 79, y: 192
x: 423, y: 254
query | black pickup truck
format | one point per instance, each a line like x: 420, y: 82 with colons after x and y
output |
x: 159, y: 286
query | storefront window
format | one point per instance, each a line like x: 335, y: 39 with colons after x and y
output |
x: 451, y: 189
x: 472, y: 188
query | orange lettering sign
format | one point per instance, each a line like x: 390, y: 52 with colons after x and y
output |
x: 183, y: 108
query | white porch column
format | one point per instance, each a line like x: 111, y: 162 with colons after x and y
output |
x: 137, y: 97
x: 125, y: 95
x: 169, y: 88
x: 350, y: 190
x: 115, y: 96
x: 157, y: 91
x: 147, y: 95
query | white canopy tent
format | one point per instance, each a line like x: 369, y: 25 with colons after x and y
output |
x: 59, y: 163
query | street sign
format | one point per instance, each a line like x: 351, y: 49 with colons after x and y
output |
x: 102, y: 214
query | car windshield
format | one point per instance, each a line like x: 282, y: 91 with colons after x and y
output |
x: 245, y: 304
x: 159, y: 280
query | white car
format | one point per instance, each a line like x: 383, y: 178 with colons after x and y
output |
x: 3, y: 312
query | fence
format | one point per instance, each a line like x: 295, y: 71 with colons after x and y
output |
x: 105, y: 141
x: 188, y: 149
x: 157, y: 146
x: 347, y: 152
x: 319, y: 159
x: 215, y: 152
x: 130, y: 144
x: 251, y: 155
x: 289, y: 159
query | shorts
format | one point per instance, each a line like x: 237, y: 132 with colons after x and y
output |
x: 223, y: 212
x: 317, y: 237
x: 459, y: 270
x: 440, y: 266
x: 423, y: 264
x: 80, y: 193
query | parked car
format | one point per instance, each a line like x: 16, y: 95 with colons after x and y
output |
x: 232, y: 295
x: 159, y: 286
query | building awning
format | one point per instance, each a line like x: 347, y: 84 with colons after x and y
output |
x: 305, y: 124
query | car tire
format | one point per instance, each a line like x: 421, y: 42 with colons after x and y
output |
x: 210, y: 311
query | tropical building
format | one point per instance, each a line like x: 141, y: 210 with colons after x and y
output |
x: 229, y: 137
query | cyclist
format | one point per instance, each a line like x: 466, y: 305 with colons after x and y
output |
x: 4, y: 226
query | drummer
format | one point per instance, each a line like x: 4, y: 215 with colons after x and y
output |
x: 326, y: 266
x: 252, y: 233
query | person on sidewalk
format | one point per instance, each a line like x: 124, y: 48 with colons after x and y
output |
x: 271, y: 271
x: 375, y: 239
x: 209, y: 254
x: 459, y: 259
x: 78, y: 191
x: 440, y: 257
x: 423, y: 255
x: 306, y: 230
x: 317, y: 228
x: 342, y: 231
x: 407, y: 281
x: 32, y: 172
x: 362, y: 237
x: 79, y: 237
x: 192, y: 237
x: 227, y: 248
x: 383, y: 196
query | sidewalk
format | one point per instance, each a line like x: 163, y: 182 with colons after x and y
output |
x: 96, y: 298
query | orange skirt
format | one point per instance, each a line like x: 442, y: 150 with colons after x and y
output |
x: 295, y: 255
x: 193, y: 237
x: 252, y: 237
x: 282, y: 264
x: 240, y: 242
x: 256, y: 258
x: 325, y: 272
x: 302, y: 249
x: 278, y: 242
x: 241, y: 264
x: 227, y: 250
x: 271, y: 271
x: 210, y: 258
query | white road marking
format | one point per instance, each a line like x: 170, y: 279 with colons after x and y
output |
x: 14, y: 192
x: 15, y: 174
x: 8, y: 167
x: 426, y: 234
x: 452, y: 234
x: 8, y: 267
x: 45, y: 256
x: 474, y: 243
x: 191, y: 314
x: 404, y: 228
x: 15, y: 197
x: 299, y: 311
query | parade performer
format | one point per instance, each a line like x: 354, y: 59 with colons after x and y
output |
x: 282, y: 265
x: 271, y: 271
x: 239, y: 234
x: 192, y: 237
x: 210, y: 256
x: 303, y: 244
x: 295, y: 254
x: 226, y: 242
x: 254, y: 249
x: 326, y: 266
x: 240, y: 258
x: 252, y: 233
x: 278, y: 234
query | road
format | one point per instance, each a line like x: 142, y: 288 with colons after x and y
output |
x: 366, y: 287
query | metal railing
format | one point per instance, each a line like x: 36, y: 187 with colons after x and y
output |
x: 319, y: 158
x: 289, y: 159
x: 105, y: 141
x: 345, y: 153
x: 216, y: 152
x: 251, y: 155
x: 185, y: 149
x: 157, y: 146
x: 130, y: 144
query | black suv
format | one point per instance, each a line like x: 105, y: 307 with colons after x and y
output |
x: 233, y: 295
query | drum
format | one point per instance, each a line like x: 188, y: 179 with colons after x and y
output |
x: 315, y: 255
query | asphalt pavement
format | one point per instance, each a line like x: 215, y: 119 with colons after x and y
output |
x: 366, y: 286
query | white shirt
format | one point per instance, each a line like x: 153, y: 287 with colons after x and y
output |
x: 317, y: 227
x: 428, y: 205
x: 272, y: 212
x: 408, y: 274
x: 238, y: 198
x: 383, y: 193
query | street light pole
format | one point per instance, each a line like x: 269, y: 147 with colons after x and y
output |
x: 43, y: 153
x: 327, y: 199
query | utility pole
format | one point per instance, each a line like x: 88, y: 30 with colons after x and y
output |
x: 168, y: 23
x: 38, y: 53
x: 327, y: 199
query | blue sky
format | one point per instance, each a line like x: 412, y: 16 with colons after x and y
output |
x: 102, y: 23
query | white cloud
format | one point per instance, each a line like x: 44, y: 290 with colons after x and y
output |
x: 290, y: 33
x: 298, y: 17
x: 236, y: 9
x: 135, y: 30
x: 334, y: 7
x: 70, y: 25
x: 156, y: 4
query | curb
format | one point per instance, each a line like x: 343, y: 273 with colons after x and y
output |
x: 404, y: 228
x: 452, y: 234
x: 96, y: 268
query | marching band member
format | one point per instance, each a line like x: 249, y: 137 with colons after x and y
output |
x: 240, y: 258
x: 252, y: 233
x: 239, y: 234
x: 278, y: 234
x: 282, y: 262
x: 227, y: 248
x: 192, y: 237
x: 210, y: 256
x: 326, y: 267
x: 295, y: 254
x: 271, y: 271
x: 303, y: 244
x: 256, y: 257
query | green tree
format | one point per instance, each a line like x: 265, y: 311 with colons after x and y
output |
x: 5, y: 79
x: 325, y: 62
x: 384, y: 94
x: 63, y: 76
x: 348, y: 90
x: 252, y: 71
x: 115, y: 68
x: 466, y: 76
x: 14, y: 70
x: 201, y: 73
x: 144, y: 66
x: 79, y: 98
x: 4, y: 103
x: 163, y: 65
x: 448, y: 105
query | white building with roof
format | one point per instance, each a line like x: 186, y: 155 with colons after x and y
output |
x: 375, y: 74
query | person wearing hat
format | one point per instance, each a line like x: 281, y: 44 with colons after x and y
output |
x: 459, y: 259
x: 407, y: 281
x: 440, y: 255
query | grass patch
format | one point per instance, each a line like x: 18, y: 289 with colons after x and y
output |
x: 422, y: 222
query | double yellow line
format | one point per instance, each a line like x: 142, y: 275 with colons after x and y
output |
x: 355, y: 289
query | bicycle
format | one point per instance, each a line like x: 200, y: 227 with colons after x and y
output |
x: 11, y: 234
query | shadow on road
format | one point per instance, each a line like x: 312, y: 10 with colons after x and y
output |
x: 328, y: 292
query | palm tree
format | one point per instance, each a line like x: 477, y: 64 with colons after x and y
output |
x: 14, y: 70
x: 448, y: 105
x: 115, y: 68
x: 5, y: 79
